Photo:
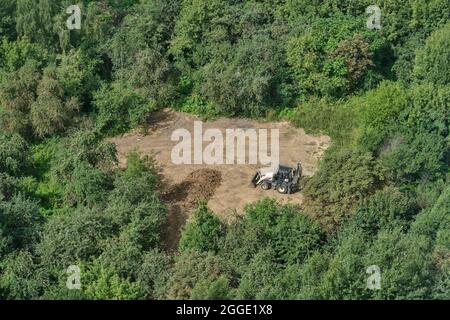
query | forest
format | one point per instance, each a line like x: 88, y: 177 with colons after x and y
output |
x: 381, y: 196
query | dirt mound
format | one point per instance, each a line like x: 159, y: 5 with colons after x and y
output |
x: 182, y: 197
x: 198, y: 185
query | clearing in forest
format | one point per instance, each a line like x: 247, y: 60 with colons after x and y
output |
x: 225, y: 187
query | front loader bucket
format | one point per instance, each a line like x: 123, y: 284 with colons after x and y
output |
x: 255, y: 179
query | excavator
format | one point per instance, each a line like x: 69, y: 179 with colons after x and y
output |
x: 284, y: 179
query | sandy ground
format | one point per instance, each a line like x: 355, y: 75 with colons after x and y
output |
x: 234, y: 191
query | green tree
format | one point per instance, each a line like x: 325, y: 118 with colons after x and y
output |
x: 87, y: 186
x: 14, y: 155
x: 17, y: 93
x: 203, y: 232
x: 192, y: 267
x: 119, y: 108
x: 20, y: 221
x: 19, y: 277
x: 332, y: 55
x: 386, y: 208
x: 258, y: 279
x: 345, y: 177
x: 218, y: 289
x: 379, y: 112
x: 103, y: 284
x: 7, y: 17
x: 407, y: 270
x: 432, y: 60
x: 34, y: 21
x: 70, y: 238
x: 154, y: 273
x: 51, y: 112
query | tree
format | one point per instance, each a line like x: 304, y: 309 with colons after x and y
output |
x: 355, y: 53
x: 141, y: 222
x: 203, y: 232
x: 87, y: 186
x: 76, y: 73
x: 154, y: 273
x: 386, y: 208
x: 344, y: 178
x: 51, y: 112
x: 407, y: 270
x: 414, y: 157
x: 192, y: 267
x: 295, y: 237
x: 9, y: 185
x: 258, y: 279
x: 379, y: 112
x: 19, y: 277
x: 15, y: 54
x: 133, y: 205
x: 84, y: 146
x: 122, y: 256
x: 34, y: 21
x: 218, y: 289
x: 20, y: 221
x: 330, y: 57
x: 345, y: 275
x: 248, y: 82
x: 139, y: 50
x: 70, y: 238
x: 14, y: 155
x: 7, y: 15
x: 120, y: 107
x: 432, y: 60
x: 231, y: 58
x: 429, y: 221
x: 427, y: 109
x: 103, y: 284
x: 17, y: 93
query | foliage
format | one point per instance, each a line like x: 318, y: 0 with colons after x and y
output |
x: 120, y: 108
x: 203, y: 232
x: 191, y: 267
x: 380, y: 196
x: 345, y: 177
x: 14, y: 154
x: 432, y: 61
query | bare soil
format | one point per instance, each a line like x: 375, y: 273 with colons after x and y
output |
x: 226, y: 188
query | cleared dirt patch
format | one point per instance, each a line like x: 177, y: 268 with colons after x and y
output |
x: 187, y: 183
x: 234, y: 191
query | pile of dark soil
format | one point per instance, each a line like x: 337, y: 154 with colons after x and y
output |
x: 199, y: 185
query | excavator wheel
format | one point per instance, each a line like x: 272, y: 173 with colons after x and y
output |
x: 282, y: 188
x: 265, y: 185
